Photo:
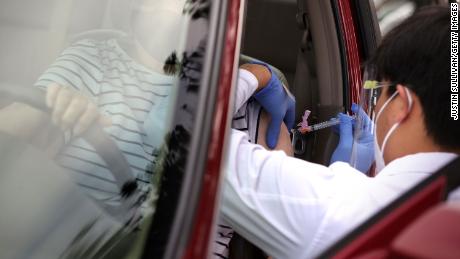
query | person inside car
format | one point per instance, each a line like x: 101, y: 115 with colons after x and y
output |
x: 122, y: 84
x: 291, y: 208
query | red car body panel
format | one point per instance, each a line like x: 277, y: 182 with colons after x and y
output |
x: 378, y: 238
x: 353, y: 53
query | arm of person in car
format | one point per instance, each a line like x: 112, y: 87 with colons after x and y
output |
x: 67, y: 95
x: 72, y: 84
x: 284, y: 138
x: 70, y: 110
x: 252, y: 78
x: 73, y: 110
x: 274, y: 99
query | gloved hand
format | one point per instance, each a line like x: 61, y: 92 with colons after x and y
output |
x: 365, y: 148
x: 279, y: 104
x: 365, y: 142
x: 343, y: 150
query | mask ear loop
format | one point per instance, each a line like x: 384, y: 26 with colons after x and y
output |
x: 393, y: 128
x: 410, y: 98
x: 384, y: 106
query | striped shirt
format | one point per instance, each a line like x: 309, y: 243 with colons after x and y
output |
x: 247, y: 119
x: 134, y: 97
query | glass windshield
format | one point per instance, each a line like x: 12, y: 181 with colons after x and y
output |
x: 88, y: 99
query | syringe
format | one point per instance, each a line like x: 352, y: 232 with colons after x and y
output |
x: 322, y: 125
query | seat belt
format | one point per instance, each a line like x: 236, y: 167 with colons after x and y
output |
x: 301, y: 17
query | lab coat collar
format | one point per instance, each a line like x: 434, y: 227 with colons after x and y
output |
x: 425, y: 163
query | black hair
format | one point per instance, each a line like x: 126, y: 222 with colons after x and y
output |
x: 416, y: 54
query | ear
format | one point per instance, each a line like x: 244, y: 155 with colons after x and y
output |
x: 405, y: 103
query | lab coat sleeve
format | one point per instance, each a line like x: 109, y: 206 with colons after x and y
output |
x: 246, y: 86
x: 288, y: 207
x: 275, y: 201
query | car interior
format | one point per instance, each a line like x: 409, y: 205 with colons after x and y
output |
x: 311, y: 58
x: 315, y: 82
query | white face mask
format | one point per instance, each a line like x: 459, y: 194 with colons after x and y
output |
x: 378, y: 153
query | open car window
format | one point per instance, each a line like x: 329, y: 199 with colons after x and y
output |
x: 97, y: 109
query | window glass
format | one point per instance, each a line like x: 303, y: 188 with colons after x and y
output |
x: 91, y: 96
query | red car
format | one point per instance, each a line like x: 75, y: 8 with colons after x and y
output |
x: 133, y: 190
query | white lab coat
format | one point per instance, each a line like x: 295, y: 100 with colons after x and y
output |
x: 291, y: 208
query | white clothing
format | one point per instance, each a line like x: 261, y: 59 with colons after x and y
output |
x: 246, y: 110
x: 246, y: 120
x: 246, y: 86
x: 291, y: 208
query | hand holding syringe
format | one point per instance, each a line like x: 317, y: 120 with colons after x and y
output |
x: 305, y: 128
x: 298, y: 142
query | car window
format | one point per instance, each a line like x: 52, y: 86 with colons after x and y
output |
x: 96, y: 111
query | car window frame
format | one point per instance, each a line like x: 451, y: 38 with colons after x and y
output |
x: 204, y: 157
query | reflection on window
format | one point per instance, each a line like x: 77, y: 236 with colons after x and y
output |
x: 92, y: 94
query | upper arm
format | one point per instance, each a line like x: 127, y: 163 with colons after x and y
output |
x: 284, y: 138
x: 78, y: 67
x: 245, y: 88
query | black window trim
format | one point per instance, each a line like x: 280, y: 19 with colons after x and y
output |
x: 191, y: 185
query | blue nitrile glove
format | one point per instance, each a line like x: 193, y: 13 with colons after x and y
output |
x: 365, y: 142
x: 343, y: 150
x: 279, y: 104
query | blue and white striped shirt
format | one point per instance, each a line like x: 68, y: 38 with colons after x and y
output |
x: 136, y: 98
